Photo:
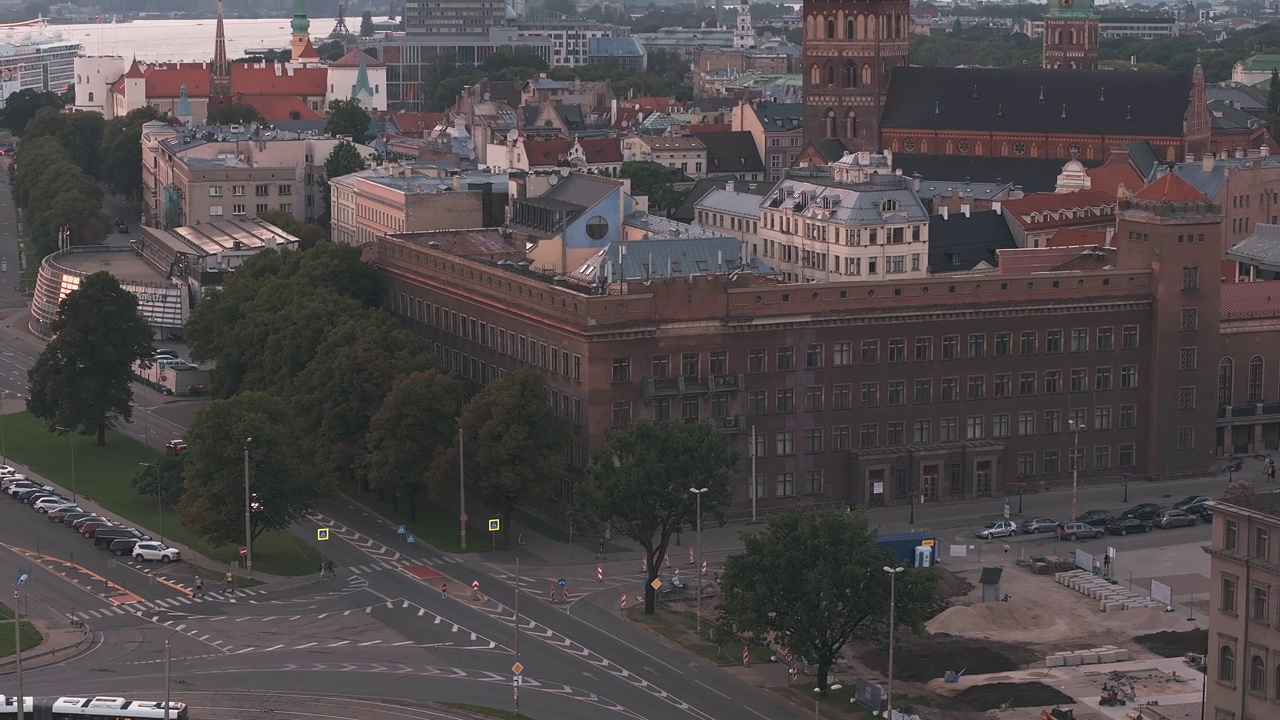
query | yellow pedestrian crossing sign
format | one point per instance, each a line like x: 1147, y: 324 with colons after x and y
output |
x: 322, y: 533
x: 495, y: 525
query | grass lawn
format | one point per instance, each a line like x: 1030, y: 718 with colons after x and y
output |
x: 486, y: 711
x: 436, y: 526
x: 836, y: 703
x: 681, y: 627
x: 30, y: 636
x: 102, y: 474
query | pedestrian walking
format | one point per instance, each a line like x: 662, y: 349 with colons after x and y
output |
x: 444, y: 590
x: 323, y: 568
x: 227, y: 581
x: 600, y: 551
x: 1106, y: 565
x: 333, y: 569
x: 1006, y: 551
x: 199, y: 587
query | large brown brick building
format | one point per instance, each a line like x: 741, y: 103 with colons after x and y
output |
x: 952, y: 387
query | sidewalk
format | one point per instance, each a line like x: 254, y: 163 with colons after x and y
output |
x: 59, y: 644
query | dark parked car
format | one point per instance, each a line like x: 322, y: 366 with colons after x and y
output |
x: 105, y: 535
x: 36, y: 493
x: 1096, y: 518
x: 1174, y: 518
x: 90, y: 529
x: 1191, y: 503
x: 79, y: 523
x: 1126, y: 525
x: 122, y: 546
x: 1146, y: 512
x: 1205, y: 513
x: 68, y: 518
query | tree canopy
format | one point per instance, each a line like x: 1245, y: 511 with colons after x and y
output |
x: 815, y: 581
x: 308, y: 234
x: 348, y: 118
x: 653, y: 181
x: 23, y: 105
x: 82, y: 380
x: 413, y: 427
x: 284, y: 482
x: 366, y: 24
x: 343, y: 160
x: 641, y: 479
x: 235, y: 114
x: 51, y: 185
x: 122, y: 150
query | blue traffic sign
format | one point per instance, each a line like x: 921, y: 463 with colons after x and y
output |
x: 411, y: 538
x: 400, y: 529
x: 562, y: 582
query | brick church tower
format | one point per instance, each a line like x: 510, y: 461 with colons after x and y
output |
x: 1071, y: 35
x: 850, y: 50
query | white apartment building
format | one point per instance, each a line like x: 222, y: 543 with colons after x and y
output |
x: 816, y: 229
x: 734, y: 214
x: 414, y: 197
x: 684, y: 153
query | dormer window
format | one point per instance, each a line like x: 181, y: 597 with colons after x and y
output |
x: 889, y: 205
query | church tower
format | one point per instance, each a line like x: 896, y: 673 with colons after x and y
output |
x: 219, y: 69
x: 1071, y: 35
x: 300, y: 27
x: 850, y: 50
x: 744, y: 36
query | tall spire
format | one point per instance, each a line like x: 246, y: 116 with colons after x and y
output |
x: 300, y: 28
x: 220, y: 70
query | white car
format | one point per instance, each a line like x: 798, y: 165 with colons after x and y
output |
x: 44, y: 505
x: 999, y: 528
x: 155, y: 551
x: 17, y: 488
x: 6, y: 471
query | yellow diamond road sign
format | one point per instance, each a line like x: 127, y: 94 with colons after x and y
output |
x: 322, y: 533
x: 517, y: 668
x: 655, y: 584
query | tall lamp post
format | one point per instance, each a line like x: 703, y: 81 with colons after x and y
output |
x: 248, y: 524
x: 1022, y: 485
x: 159, y: 497
x: 71, y: 435
x: 3, y: 454
x: 1075, y: 467
x: 1125, y: 477
x: 893, y: 601
x: 697, y: 492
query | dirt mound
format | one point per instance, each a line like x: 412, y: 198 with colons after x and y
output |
x: 986, y: 618
x: 1174, y: 644
x: 1017, y: 695
x: 951, y: 585
x: 924, y: 659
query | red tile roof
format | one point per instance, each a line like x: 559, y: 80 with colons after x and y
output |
x: 1109, y: 177
x: 648, y: 104
x: 1170, y: 187
x: 280, y: 107
x: 1042, y: 202
x: 547, y: 153
x: 1074, y: 237
x: 277, y: 79
x: 166, y: 80
x: 308, y: 51
x: 601, y: 150
x: 1250, y: 300
x: 407, y: 123
x: 1015, y: 261
x: 135, y: 70
x: 352, y: 59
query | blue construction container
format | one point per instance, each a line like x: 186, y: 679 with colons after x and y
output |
x: 903, y: 546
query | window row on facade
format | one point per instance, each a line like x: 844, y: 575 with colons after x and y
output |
x: 1254, y: 381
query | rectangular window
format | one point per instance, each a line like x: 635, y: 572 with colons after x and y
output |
x: 1075, y: 458
x: 1027, y: 383
x: 661, y: 409
x: 1261, y: 543
x: 237, y: 210
x: 757, y: 361
x: 1228, y: 595
x: 285, y: 189
x: 785, y: 443
x: 1230, y: 535
x: 868, y: 435
x: 977, y: 387
x: 842, y: 354
x: 1080, y: 340
x: 950, y: 389
x: 1186, y: 438
x: 1258, y: 603
x: 719, y: 362
x: 1125, y: 457
x: 1052, y: 421
x: 1191, y: 278
x: 1186, y: 397
x: 1102, y: 457
x: 870, y: 352
x: 1052, y: 462
x: 1027, y: 422
x: 950, y: 347
x: 974, y: 427
x: 813, y: 440
x: 1079, y: 380
x: 1053, y: 341
x: 237, y: 191
x: 897, y: 392
x: 760, y: 446
x: 785, y: 484
x: 1004, y: 344
x: 1186, y: 358
x: 920, y: 432
x: 977, y: 345
x: 622, y: 413
x: 813, y: 356
x: 720, y: 405
x: 812, y: 482
x: 898, y: 350
x: 1190, y: 319
x: 842, y: 397
x: 757, y: 402
x: 1001, y: 386
x: 1106, y: 339
x: 924, y: 392
x: 813, y: 398
x: 1102, y: 418
x: 690, y: 365
x: 1128, y: 377
x: 1052, y: 382
x: 948, y: 429
x: 261, y: 190
x: 785, y: 401
x: 1026, y: 464
x: 622, y: 370
x: 1027, y: 342
x: 1102, y: 378
x: 786, y: 359
x: 215, y: 191
x: 1129, y: 337
x: 924, y: 349
x: 661, y: 367
x: 895, y: 433
x: 840, y: 437
x: 870, y: 395
x: 1000, y: 425
x: 260, y: 208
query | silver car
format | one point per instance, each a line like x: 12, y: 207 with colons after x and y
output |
x: 1031, y: 526
x: 998, y: 528
x: 1166, y: 519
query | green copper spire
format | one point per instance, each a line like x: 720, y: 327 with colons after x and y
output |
x: 1071, y: 8
x: 300, y: 24
x: 362, y: 84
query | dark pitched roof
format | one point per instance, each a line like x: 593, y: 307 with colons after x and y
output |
x: 685, y: 212
x: 731, y: 152
x: 1031, y: 174
x: 780, y: 117
x: 831, y: 149
x: 1088, y: 102
x: 960, y: 243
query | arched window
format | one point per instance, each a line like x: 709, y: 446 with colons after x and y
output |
x: 831, y: 29
x: 1071, y: 37
x: 1226, y: 665
x: 1255, y: 379
x: 1057, y: 37
x: 851, y: 125
x: 1257, y: 674
x: 1226, y: 378
x: 1277, y: 689
x: 866, y: 73
x: 831, y: 74
x: 850, y: 75
x: 815, y: 75
x: 831, y: 123
x: 850, y: 29
x: 90, y: 97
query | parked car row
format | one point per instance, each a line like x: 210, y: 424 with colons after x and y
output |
x: 104, y: 532
x: 1095, y: 523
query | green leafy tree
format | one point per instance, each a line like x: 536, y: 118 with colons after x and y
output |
x: 654, y: 181
x: 161, y: 476
x: 348, y: 118
x: 82, y: 380
x: 522, y: 58
x: 23, y: 105
x: 34, y: 160
x: 344, y: 160
x: 69, y: 201
x: 284, y: 483
x: 366, y: 24
x: 122, y: 151
x: 308, y: 234
x: 236, y: 114
x: 331, y: 50
x: 414, y: 425
x: 564, y: 7
x: 640, y: 482
x: 814, y: 580
x: 514, y: 442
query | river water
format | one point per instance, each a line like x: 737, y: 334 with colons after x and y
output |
x: 189, y: 40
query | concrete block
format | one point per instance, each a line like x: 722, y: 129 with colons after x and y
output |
x: 1055, y: 661
x: 1071, y: 660
x: 1122, y: 654
x: 1107, y: 656
x: 1088, y: 658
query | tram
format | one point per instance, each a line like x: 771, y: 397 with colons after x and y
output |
x: 94, y: 708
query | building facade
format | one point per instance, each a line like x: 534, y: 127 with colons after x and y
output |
x: 851, y: 48
x: 413, y: 197
x: 777, y: 128
x: 1071, y: 35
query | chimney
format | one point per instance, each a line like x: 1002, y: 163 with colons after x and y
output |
x: 1207, y: 162
x: 1222, y: 155
x: 964, y: 208
x: 998, y: 207
x: 945, y: 212
x: 1191, y: 157
x: 1265, y: 150
x: 1239, y: 152
x: 1252, y: 153
x: 729, y: 186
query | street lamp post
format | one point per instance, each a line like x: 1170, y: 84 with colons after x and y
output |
x: 697, y: 492
x: 159, y: 497
x: 71, y: 435
x: 3, y: 454
x: 166, y: 678
x: 1075, y: 467
x: 248, y: 524
x: 893, y: 600
x: 1125, y: 477
x: 1022, y: 485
